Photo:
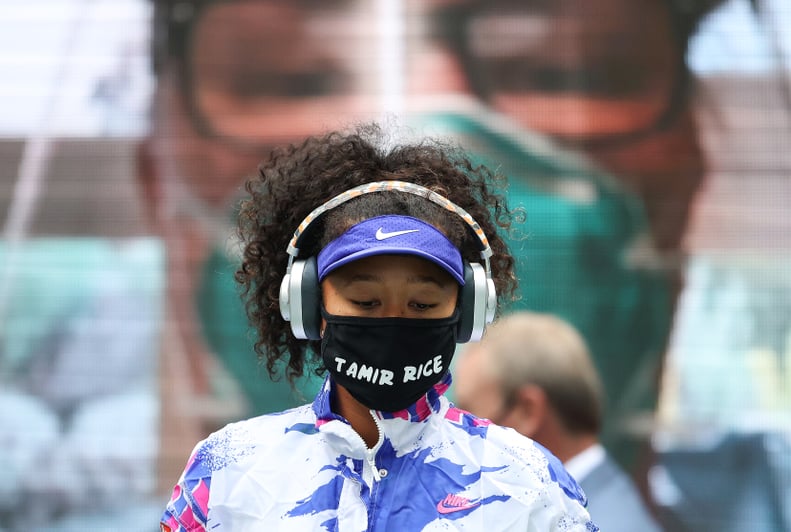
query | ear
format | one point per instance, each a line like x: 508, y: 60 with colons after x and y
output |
x: 530, y: 411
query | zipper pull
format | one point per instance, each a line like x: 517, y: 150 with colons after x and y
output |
x: 372, y: 463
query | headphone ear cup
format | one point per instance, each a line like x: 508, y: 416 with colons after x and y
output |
x: 302, y: 299
x: 473, y: 298
x: 311, y: 300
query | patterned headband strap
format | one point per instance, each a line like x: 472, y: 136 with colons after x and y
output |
x: 385, y: 186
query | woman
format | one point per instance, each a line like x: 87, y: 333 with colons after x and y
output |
x: 388, y: 269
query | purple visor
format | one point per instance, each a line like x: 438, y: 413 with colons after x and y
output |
x: 391, y: 235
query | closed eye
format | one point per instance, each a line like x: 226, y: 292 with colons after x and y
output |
x: 366, y: 305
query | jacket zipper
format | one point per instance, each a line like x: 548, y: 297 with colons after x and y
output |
x: 370, y: 457
x: 370, y: 454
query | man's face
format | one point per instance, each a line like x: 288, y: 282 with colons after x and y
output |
x: 258, y: 74
x: 475, y: 389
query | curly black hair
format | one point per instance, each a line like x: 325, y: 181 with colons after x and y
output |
x: 298, y: 178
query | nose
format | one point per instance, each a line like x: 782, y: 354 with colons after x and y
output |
x: 394, y: 307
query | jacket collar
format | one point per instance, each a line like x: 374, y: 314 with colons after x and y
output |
x: 417, y: 412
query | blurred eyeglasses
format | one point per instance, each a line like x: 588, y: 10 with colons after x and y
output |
x: 586, y: 71
x: 251, y: 69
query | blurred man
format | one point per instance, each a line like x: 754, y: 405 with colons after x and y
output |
x: 533, y: 372
x: 233, y: 80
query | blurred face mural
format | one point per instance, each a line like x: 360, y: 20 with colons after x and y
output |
x: 237, y: 77
x: 234, y: 79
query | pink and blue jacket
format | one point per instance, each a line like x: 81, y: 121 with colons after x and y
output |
x: 435, y: 467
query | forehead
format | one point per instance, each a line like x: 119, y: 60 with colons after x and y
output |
x: 395, y: 274
x: 405, y: 267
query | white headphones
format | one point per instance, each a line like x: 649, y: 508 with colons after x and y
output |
x: 300, y: 293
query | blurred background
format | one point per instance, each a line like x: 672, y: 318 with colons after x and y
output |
x: 647, y: 148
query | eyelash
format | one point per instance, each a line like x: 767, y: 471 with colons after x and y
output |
x: 365, y: 304
x: 369, y: 305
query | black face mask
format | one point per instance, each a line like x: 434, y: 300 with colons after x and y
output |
x: 387, y: 364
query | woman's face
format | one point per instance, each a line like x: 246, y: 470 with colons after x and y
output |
x: 385, y: 286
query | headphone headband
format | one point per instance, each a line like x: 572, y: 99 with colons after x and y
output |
x: 385, y: 186
x: 300, y: 292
